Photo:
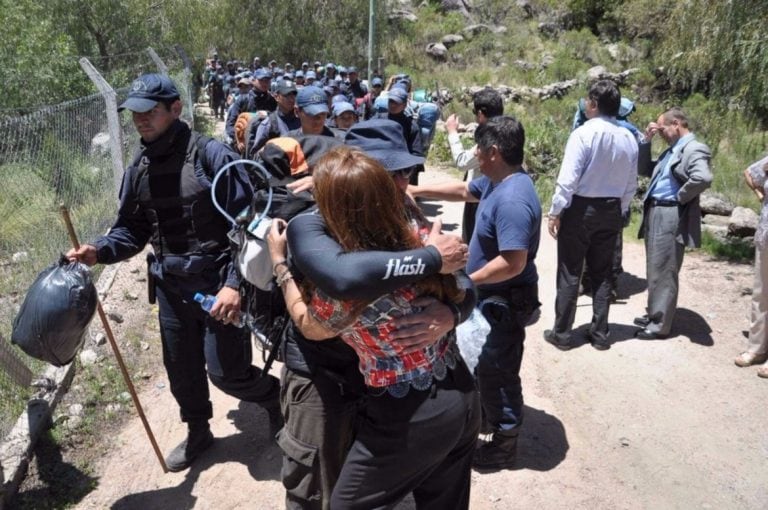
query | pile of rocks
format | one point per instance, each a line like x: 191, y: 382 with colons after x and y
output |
x: 726, y: 222
x: 552, y: 90
x: 523, y: 93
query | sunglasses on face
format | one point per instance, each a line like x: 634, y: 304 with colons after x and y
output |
x: 405, y: 173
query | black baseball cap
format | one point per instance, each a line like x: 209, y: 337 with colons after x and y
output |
x: 147, y: 90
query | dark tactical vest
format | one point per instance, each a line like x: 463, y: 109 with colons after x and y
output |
x: 183, y: 218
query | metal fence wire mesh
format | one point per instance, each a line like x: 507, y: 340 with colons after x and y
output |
x: 59, y: 154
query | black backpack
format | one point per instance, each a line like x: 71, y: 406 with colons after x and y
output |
x: 286, y: 159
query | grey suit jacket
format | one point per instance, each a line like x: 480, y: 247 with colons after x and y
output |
x: 690, y: 166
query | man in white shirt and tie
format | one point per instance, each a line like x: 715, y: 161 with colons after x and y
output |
x: 597, y: 180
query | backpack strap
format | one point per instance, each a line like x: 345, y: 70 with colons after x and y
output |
x: 274, y: 125
x: 200, y: 144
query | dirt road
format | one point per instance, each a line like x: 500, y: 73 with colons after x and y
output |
x: 647, y: 424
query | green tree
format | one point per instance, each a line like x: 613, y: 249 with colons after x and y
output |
x: 590, y: 13
x: 295, y: 30
x: 33, y: 49
x: 719, y: 48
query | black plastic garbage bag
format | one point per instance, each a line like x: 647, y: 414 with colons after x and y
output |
x: 51, y: 323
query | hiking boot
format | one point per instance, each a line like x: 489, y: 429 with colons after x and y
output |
x: 499, y: 453
x: 198, y: 439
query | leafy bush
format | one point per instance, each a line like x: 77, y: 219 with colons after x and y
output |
x: 583, y: 45
x: 735, y: 143
x: 22, y: 212
x: 718, y: 48
x: 440, y: 150
x: 564, y: 67
x: 590, y: 14
x: 736, y: 250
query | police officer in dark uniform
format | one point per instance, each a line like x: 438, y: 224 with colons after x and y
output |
x: 299, y: 78
x: 277, y: 123
x: 397, y: 111
x: 330, y: 73
x: 259, y: 98
x: 312, y: 110
x: 218, y: 88
x: 165, y: 199
x: 356, y: 88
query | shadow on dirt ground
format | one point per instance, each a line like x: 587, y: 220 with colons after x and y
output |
x: 542, y: 444
x: 251, y: 420
x: 58, y: 483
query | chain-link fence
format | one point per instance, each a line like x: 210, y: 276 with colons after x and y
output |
x: 64, y: 154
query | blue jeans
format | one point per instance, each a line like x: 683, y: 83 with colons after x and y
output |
x: 498, y: 367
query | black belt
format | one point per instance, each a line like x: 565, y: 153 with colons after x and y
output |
x: 664, y: 203
x: 596, y: 199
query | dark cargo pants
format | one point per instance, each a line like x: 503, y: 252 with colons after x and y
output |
x: 498, y: 367
x: 192, y: 340
x: 320, y: 422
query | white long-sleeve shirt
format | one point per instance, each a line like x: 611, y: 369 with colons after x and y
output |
x: 600, y: 160
x: 465, y: 158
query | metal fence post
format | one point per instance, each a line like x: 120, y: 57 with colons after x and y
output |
x: 113, y: 119
x: 158, y: 61
x: 2, y: 488
x: 190, y: 83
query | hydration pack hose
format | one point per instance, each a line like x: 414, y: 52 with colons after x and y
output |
x: 267, y: 177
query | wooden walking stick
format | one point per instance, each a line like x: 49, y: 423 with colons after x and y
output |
x: 113, y: 343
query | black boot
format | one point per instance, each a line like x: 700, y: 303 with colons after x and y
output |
x: 199, y: 438
x: 499, y: 453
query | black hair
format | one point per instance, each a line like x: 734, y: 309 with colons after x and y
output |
x: 489, y: 102
x: 607, y: 96
x: 507, y: 134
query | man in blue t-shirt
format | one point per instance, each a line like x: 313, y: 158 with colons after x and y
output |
x: 501, y: 263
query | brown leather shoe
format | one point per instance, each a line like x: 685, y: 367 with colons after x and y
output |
x: 746, y: 359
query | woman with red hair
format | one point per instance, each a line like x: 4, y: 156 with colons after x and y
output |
x: 422, y: 414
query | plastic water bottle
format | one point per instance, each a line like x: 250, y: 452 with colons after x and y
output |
x: 207, y: 301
